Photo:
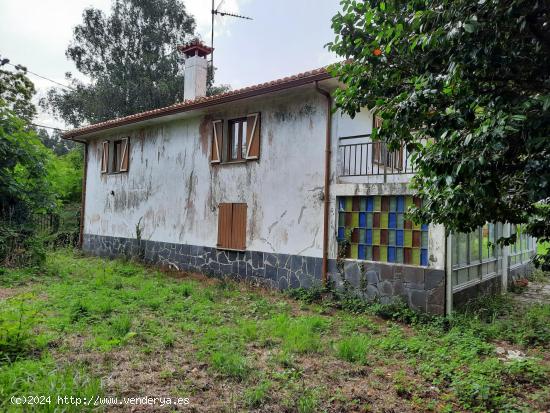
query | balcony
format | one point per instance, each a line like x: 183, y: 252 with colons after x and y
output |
x: 361, y: 160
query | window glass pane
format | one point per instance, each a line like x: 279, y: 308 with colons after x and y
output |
x: 243, y: 129
x: 235, y: 141
x: 462, y: 241
x: 474, y: 246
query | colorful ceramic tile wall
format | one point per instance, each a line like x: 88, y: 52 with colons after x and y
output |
x: 378, y: 230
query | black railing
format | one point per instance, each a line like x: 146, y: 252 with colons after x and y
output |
x: 372, y: 158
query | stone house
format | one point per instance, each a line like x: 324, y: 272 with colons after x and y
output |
x: 269, y: 183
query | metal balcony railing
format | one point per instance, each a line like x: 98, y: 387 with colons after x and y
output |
x: 372, y: 158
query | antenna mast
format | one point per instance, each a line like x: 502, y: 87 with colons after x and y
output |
x: 216, y: 11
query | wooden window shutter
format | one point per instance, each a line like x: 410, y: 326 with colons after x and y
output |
x: 377, y: 146
x: 225, y: 214
x: 217, y: 141
x: 238, y: 227
x: 232, y: 226
x: 253, y: 136
x: 105, y: 157
x: 125, y: 155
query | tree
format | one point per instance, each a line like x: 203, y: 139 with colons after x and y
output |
x: 55, y: 142
x: 466, y: 86
x: 130, y: 57
x: 16, y: 90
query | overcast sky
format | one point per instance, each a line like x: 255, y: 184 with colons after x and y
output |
x: 285, y: 37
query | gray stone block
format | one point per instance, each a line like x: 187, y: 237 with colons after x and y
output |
x: 433, y: 278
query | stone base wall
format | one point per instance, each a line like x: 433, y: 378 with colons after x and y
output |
x: 421, y: 288
x: 487, y: 287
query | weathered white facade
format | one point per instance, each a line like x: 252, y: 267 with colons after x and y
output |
x: 174, y: 190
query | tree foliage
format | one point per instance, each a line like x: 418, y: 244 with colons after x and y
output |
x: 466, y: 86
x: 16, y: 90
x: 130, y: 56
x: 33, y: 180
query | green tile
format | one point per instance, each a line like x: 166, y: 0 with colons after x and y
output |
x: 399, y: 255
x: 362, y: 235
x: 363, y: 203
x: 369, y: 220
x: 341, y: 219
x: 391, y: 237
x: 368, y: 252
x: 393, y: 204
x: 354, y: 253
x: 424, y: 239
x: 400, y: 221
x: 408, y: 202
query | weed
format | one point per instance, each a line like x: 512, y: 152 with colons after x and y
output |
x: 230, y: 364
x: 300, y: 334
x: 307, y: 401
x: 353, y: 348
x: 256, y: 396
x: 121, y: 325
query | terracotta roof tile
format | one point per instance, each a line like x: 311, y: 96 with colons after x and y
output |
x: 205, y: 101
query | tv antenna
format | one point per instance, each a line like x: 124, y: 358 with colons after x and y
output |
x: 216, y: 11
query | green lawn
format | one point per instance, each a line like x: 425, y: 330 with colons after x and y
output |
x: 88, y: 327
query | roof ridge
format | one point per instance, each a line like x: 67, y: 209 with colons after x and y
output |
x: 198, y: 102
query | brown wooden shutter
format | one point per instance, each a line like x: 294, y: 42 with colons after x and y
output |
x: 238, y: 227
x: 217, y: 141
x: 253, y: 136
x: 232, y: 226
x: 125, y: 155
x: 377, y: 146
x: 225, y: 213
x: 105, y: 157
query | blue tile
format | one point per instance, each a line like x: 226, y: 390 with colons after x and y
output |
x: 424, y: 257
x: 341, y: 204
x: 361, y: 252
x: 341, y: 234
x: 370, y: 203
x: 368, y: 239
x: 362, y: 219
x: 424, y: 227
x: 399, y: 237
x: 392, y: 220
x: 400, y: 204
x: 391, y: 254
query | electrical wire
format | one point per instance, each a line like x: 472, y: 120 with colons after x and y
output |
x: 42, y: 77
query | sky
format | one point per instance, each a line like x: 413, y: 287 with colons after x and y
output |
x: 285, y: 37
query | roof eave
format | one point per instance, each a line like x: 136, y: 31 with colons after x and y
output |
x: 171, y: 110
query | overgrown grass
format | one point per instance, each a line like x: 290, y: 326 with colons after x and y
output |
x: 273, y: 353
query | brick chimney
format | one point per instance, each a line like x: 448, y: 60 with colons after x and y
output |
x: 196, y: 68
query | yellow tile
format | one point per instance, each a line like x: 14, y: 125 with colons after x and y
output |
x: 355, y: 219
x: 375, y: 237
x: 383, y: 254
x: 416, y: 256
x: 349, y: 203
x: 383, y: 220
x: 377, y: 203
x: 354, y: 253
x: 408, y: 238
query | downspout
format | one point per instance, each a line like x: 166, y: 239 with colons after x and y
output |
x: 326, y: 204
